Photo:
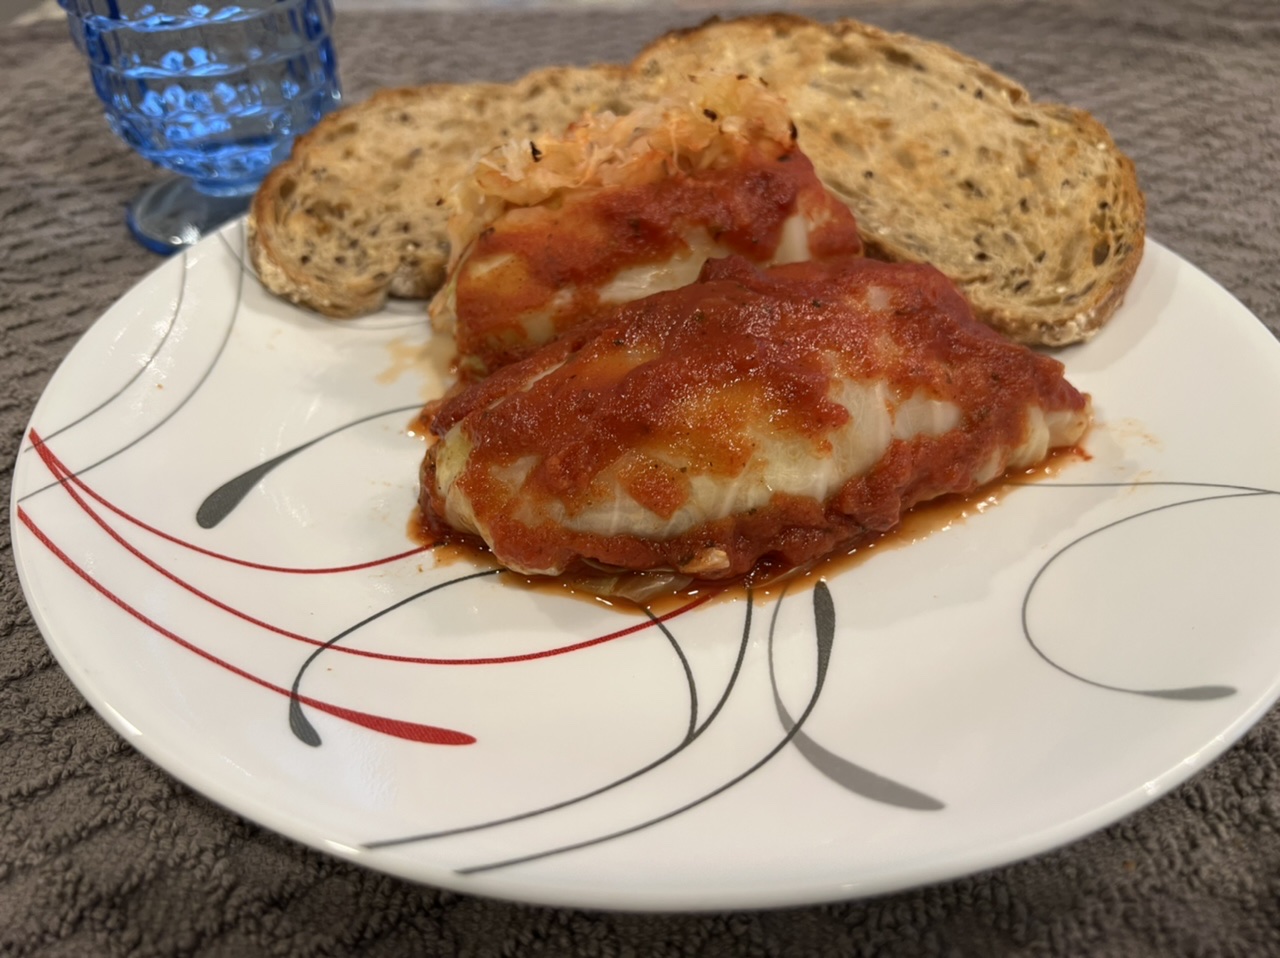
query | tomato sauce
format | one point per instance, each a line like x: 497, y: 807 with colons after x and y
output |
x: 671, y: 387
x: 552, y: 260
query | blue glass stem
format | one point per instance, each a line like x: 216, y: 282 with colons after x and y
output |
x: 171, y: 214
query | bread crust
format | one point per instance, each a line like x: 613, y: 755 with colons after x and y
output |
x: 348, y: 220
x: 267, y: 227
x: 1089, y: 296
x: 1058, y: 281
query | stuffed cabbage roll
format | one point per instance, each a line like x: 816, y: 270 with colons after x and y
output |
x: 544, y: 232
x: 757, y: 415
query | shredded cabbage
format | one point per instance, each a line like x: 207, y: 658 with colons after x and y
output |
x: 705, y: 122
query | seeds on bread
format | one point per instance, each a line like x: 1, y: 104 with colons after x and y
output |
x: 358, y: 211
x: 1030, y: 207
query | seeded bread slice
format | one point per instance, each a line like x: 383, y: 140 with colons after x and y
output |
x: 358, y: 211
x: 1029, y: 207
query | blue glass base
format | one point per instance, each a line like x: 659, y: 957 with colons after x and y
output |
x: 172, y: 214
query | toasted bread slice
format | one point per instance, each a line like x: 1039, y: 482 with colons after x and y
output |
x: 358, y: 211
x: 1029, y: 207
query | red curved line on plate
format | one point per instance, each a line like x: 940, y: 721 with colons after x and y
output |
x: 585, y: 644
x: 60, y: 472
x: 56, y: 466
x: 413, y: 731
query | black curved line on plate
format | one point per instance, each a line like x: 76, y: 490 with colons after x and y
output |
x: 1193, y: 693
x: 299, y: 724
x: 688, y: 673
x: 213, y: 362
x: 848, y: 775
x: 239, y: 257
x: 521, y: 816
x: 824, y: 643
x: 1055, y: 484
x: 137, y: 373
x: 220, y: 503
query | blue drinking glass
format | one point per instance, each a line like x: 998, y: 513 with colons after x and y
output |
x: 215, y: 92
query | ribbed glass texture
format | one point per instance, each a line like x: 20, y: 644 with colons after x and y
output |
x: 216, y: 92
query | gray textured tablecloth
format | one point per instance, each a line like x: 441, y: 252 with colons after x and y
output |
x: 101, y: 853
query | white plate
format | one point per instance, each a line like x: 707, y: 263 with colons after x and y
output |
x: 997, y: 688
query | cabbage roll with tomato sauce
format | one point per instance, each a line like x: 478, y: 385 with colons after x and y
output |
x: 756, y: 417
x: 546, y: 232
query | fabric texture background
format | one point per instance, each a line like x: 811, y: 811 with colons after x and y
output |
x: 104, y: 854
